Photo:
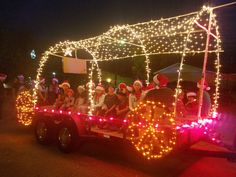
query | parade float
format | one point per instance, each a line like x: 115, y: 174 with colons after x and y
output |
x: 151, y: 128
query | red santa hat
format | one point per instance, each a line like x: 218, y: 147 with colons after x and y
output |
x: 191, y: 94
x: 122, y: 85
x: 161, y: 80
x: 205, y: 85
x: 64, y: 83
x: 129, y: 88
x: 138, y: 82
x: 3, y: 76
x: 100, y: 87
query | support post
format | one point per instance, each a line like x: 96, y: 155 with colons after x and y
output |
x: 203, y: 78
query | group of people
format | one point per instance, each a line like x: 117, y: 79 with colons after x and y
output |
x: 111, y: 101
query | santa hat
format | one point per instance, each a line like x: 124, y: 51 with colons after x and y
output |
x: 161, y: 80
x: 55, y: 80
x: 3, y: 76
x: 205, y: 85
x: 129, y: 88
x: 100, y: 87
x: 20, y: 77
x: 138, y: 82
x: 122, y: 85
x: 81, y: 87
x: 64, y: 83
x: 87, y: 85
x: 191, y: 94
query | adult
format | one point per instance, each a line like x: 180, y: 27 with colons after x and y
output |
x: 161, y: 93
x: 2, y: 92
x: 53, y: 91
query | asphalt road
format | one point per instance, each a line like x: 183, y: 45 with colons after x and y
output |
x: 21, y: 156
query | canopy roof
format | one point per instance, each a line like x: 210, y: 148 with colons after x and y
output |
x: 163, y: 36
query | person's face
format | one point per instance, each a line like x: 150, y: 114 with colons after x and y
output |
x: 54, y: 82
x: 111, y: 90
x: 65, y: 87
x: 70, y: 94
x: 137, y: 87
x: 80, y: 90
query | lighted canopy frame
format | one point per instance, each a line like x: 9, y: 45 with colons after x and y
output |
x: 188, y: 34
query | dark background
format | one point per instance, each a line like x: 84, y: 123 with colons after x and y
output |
x: 37, y: 24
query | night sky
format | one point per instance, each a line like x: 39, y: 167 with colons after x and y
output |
x: 37, y: 24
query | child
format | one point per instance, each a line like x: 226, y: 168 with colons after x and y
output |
x: 110, y: 102
x: 123, y: 106
x: 98, y: 99
x: 136, y: 95
x: 192, y: 104
x: 69, y: 101
x: 59, y: 101
x: 81, y: 100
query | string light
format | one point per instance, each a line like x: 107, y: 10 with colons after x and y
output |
x: 152, y: 129
x: 24, y: 108
x: 175, y: 35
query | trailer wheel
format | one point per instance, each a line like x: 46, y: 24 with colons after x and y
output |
x: 42, y: 132
x: 67, y: 138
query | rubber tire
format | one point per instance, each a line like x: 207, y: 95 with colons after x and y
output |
x: 70, y: 146
x: 46, y: 139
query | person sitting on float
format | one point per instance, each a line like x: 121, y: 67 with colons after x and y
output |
x: 110, y: 102
x: 192, y: 105
x: 161, y: 93
x: 180, y: 107
x: 123, y: 105
x: 98, y: 99
x: 42, y: 92
x: 53, y: 91
x: 136, y: 96
x: 69, y: 101
x: 122, y: 87
x: 129, y: 89
x: 65, y: 86
x: 81, y: 104
x: 206, y: 101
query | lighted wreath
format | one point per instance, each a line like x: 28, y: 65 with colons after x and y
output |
x: 152, y: 129
x: 24, y: 108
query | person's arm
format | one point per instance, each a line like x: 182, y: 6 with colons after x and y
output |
x: 109, y: 110
x: 126, y: 109
x: 131, y: 102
